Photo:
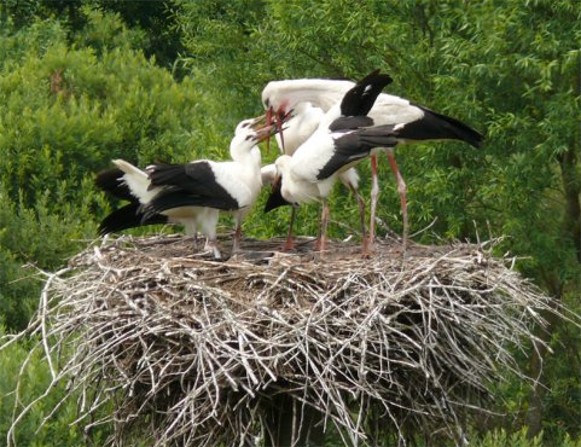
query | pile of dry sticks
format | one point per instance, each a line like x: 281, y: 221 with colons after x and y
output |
x: 193, y: 351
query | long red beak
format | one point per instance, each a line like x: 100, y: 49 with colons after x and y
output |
x: 274, y: 121
x: 265, y: 132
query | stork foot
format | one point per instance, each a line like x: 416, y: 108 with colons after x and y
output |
x: 195, y: 240
x: 211, y: 247
x: 321, y: 243
x: 367, y: 247
x: 289, y: 244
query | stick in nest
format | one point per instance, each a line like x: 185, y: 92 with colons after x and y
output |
x: 193, y: 351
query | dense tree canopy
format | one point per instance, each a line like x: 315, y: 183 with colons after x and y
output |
x: 84, y: 82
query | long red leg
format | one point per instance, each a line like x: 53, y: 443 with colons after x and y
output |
x: 366, y: 243
x: 402, y: 189
x: 321, y: 244
x: 289, y: 243
x: 374, y: 197
x: 237, y: 237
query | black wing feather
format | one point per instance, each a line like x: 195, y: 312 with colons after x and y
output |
x: 193, y: 176
x: 196, y: 178
x: 129, y: 216
x: 111, y: 181
x: 360, y: 99
x: 189, y: 184
x: 173, y: 198
x: 350, y: 122
x: 353, y: 146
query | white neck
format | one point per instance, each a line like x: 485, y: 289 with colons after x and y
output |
x: 250, y: 157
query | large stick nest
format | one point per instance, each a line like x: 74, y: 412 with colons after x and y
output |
x: 192, y: 351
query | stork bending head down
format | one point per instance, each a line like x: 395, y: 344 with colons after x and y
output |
x: 311, y: 172
x: 417, y: 123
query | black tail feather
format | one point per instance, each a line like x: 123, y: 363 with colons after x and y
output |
x: 129, y: 216
x: 110, y: 181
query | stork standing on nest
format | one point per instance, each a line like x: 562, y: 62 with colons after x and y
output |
x: 127, y: 182
x: 422, y: 124
x: 311, y: 172
x: 218, y: 186
x: 298, y: 129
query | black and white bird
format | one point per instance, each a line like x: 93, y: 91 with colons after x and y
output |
x: 302, y: 124
x: 416, y: 123
x: 336, y: 146
x: 215, y: 185
x: 128, y: 182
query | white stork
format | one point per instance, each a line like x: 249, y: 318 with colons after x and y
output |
x: 127, y: 182
x: 226, y: 185
x: 334, y: 148
x: 304, y: 121
x: 280, y: 97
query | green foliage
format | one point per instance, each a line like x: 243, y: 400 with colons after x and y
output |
x: 151, y: 23
x: 34, y: 237
x: 67, y: 111
x: 84, y: 82
x: 59, y: 429
x: 71, y: 109
x: 502, y: 438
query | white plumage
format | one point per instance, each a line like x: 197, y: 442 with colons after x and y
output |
x: 217, y: 185
x: 309, y: 175
x: 415, y: 123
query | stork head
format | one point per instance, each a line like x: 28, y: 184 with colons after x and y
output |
x: 248, y: 125
x: 250, y: 132
x: 278, y: 109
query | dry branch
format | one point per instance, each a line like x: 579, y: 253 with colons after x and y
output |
x: 193, y: 351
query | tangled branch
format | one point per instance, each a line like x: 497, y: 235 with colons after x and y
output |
x: 192, y: 351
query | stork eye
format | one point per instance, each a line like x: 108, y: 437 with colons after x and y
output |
x: 267, y: 103
x: 246, y: 124
x: 248, y: 137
